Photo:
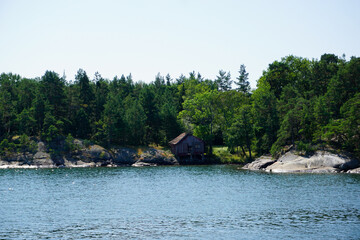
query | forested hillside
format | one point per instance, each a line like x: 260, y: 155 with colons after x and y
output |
x: 310, y: 104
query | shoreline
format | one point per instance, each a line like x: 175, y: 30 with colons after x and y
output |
x: 82, y: 156
x: 319, y: 162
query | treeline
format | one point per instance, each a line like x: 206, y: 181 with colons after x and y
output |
x: 310, y: 104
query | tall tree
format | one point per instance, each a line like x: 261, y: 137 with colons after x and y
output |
x: 199, y: 114
x: 101, y: 94
x: 26, y: 122
x: 114, y: 120
x: 7, y: 103
x: 53, y: 89
x: 147, y: 100
x: 344, y: 85
x: 266, y: 121
x: 322, y: 72
x: 243, y: 85
x: 224, y: 81
x: 135, y: 119
x: 242, y: 131
x: 86, y: 92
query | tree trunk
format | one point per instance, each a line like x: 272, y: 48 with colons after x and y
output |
x: 249, y: 147
x: 248, y: 143
x: 243, y: 150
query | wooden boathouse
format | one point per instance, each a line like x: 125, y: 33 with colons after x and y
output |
x: 187, y: 147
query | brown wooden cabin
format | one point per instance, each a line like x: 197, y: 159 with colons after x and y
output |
x: 187, y: 146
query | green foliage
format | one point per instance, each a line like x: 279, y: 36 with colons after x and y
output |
x: 5, y: 146
x: 8, y: 100
x: 305, y: 148
x: 275, y: 150
x: 343, y: 86
x: 87, y: 143
x: 266, y: 119
x: 344, y: 133
x: 52, y: 87
x: 224, y: 81
x: 351, y: 124
x: 113, y: 122
x: 101, y: 94
x: 199, y: 114
x: 299, y: 102
x: 100, y: 133
x: 26, y: 122
x: 170, y: 125
x: 51, y: 128
x: 69, y: 143
x: 243, y: 85
x: 241, y: 132
x: 225, y: 156
x: 135, y: 121
x: 151, y: 109
x: 86, y: 93
x: 20, y: 143
x: 82, y: 123
x: 26, y: 144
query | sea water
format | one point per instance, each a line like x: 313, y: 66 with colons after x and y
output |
x: 177, y: 202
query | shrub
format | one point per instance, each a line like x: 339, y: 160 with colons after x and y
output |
x: 69, y: 143
x: 4, y: 145
x: 275, y: 150
x: 87, y: 143
x: 304, y: 148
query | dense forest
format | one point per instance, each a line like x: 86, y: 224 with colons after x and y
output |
x: 310, y: 104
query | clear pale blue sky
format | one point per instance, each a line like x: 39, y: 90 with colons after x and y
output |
x: 170, y: 36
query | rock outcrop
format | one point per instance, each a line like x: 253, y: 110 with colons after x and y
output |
x: 87, y: 156
x: 320, y: 162
x: 260, y: 163
x: 124, y: 156
x: 356, y: 170
x: 92, y: 156
x: 154, y: 157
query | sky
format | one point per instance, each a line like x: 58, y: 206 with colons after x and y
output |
x: 144, y: 38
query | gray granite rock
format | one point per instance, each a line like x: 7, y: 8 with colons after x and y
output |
x: 124, y: 156
x: 143, y: 164
x: 41, y: 147
x: 158, y: 157
x: 43, y: 159
x: 320, y: 162
x: 356, y: 170
x: 260, y: 163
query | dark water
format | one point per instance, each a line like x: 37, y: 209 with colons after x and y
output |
x: 195, y: 202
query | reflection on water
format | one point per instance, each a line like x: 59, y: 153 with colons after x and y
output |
x: 192, y: 202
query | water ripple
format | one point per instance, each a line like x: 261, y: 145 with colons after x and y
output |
x: 197, y: 202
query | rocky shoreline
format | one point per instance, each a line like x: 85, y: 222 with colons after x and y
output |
x: 97, y: 156
x: 87, y: 156
x: 319, y: 162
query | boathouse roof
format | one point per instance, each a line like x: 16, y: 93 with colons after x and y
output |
x: 182, y: 136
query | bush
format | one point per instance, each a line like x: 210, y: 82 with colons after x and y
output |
x: 87, y: 143
x: 23, y: 144
x: 304, y: 148
x: 275, y: 150
x: 4, y: 145
x: 69, y: 143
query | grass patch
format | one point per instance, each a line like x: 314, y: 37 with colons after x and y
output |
x: 141, y: 149
x: 224, y: 155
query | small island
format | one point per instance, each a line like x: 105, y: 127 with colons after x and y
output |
x: 303, y: 116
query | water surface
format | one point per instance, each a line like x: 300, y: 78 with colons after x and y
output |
x: 186, y: 202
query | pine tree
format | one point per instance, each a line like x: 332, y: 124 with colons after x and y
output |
x: 53, y: 89
x: 224, y: 81
x: 242, y: 80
